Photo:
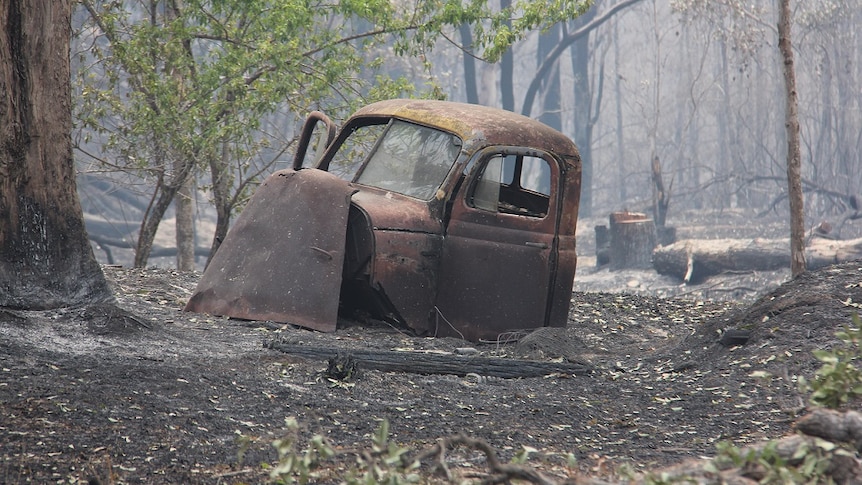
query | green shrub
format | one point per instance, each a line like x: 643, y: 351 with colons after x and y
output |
x: 839, y: 379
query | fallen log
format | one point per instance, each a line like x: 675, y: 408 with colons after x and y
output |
x: 424, y: 363
x: 842, y: 427
x: 693, y: 260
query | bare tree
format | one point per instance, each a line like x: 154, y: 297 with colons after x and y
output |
x: 585, y: 109
x: 46, y: 260
x: 794, y: 155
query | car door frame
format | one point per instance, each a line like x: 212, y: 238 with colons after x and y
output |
x: 497, y: 271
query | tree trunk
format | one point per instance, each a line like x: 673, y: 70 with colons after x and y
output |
x: 221, y: 197
x: 622, y: 164
x: 661, y: 197
x: 163, y: 196
x: 507, y: 69
x: 603, y: 245
x: 184, y: 221
x: 184, y: 204
x: 551, y: 108
x: 46, y: 260
x: 582, y: 115
x: 794, y: 155
x: 724, y: 165
x: 471, y: 91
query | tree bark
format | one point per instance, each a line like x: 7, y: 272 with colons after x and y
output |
x: 46, y: 260
x: 620, y: 139
x: 184, y: 221
x: 220, y: 174
x: 582, y: 117
x: 661, y: 197
x: 794, y: 155
x: 162, y: 199
x: 185, y: 226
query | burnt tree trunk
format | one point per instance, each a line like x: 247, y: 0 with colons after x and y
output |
x: 46, y: 260
x: 221, y: 197
x: 633, y: 238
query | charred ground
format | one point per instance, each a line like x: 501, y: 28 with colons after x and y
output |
x: 141, y: 392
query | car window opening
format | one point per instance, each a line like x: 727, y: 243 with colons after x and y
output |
x: 513, y: 184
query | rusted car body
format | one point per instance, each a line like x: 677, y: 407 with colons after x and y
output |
x: 448, y: 218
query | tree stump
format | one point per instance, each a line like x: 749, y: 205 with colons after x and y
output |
x: 633, y: 238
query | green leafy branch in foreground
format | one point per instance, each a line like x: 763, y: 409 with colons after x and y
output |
x: 839, y: 379
x: 807, y: 464
x: 385, y: 462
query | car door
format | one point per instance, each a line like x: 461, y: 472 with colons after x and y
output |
x: 499, y: 251
x: 282, y: 259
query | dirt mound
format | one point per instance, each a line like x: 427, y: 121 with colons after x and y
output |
x: 186, y: 398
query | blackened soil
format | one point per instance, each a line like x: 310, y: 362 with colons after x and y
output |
x: 144, y: 393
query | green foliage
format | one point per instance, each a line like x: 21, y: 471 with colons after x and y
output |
x: 384, y: 463
x: 179, y: 81
x: 298, y: 466
x: 766, y: 465
x: 839, y: 379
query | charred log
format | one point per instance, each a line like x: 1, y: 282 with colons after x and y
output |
x: 421, y: 363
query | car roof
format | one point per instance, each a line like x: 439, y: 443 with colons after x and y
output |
x: 478, y: 126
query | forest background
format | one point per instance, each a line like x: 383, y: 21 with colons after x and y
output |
x: 182, y: 108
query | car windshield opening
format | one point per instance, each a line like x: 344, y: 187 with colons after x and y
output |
x: 411, y: 159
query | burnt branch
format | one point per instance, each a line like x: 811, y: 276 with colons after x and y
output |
x: 499, y: 472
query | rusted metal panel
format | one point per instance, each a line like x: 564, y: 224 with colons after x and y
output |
x: 567, y: 257
x: 494, y: 275
x: 393, y: 211
x: 477, y: 125
x: 282, y: 260
x: 405, y: 268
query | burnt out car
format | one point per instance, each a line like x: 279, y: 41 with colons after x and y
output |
x: 448, y: 218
